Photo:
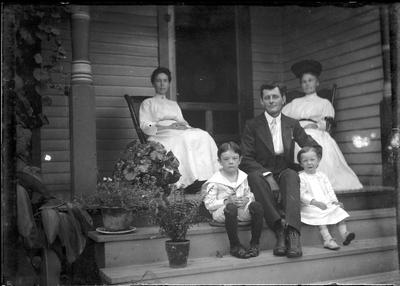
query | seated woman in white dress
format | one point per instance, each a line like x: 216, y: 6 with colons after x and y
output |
x: 162, y: 120
x: 312, y: 112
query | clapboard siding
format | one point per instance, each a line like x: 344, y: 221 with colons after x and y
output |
x: 123, y: 52
x: 266, y: 47
x: 55, y: 136
x: 347, y: 43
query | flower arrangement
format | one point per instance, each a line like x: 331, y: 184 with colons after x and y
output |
x: 147, y: 163
x: 176, y: 214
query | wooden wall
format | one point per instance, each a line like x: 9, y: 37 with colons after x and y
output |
x: 123, y: 52
x: 266, y: 46
x: 55, y: 136
x: 347, y: 43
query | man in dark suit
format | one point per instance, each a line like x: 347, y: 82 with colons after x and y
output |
x: 267, y: 148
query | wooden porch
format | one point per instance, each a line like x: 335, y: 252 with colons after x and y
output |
x: 128, y: 42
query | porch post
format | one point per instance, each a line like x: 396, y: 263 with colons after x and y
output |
x: 82, y: 107
x: 394, y: 13
x: 386, y: 103
x: 166, y: 44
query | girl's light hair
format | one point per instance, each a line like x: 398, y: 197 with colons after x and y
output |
x: 305, y: 149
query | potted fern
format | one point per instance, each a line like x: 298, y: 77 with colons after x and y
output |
x: 175, y: 215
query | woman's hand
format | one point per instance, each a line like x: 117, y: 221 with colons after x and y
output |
x: 318, y: 204
x: 311, y: 126
x: 176, y: 125
x: 179, y: 126
x: 338, y: 203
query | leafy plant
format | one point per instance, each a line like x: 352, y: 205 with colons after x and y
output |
x: 176, y: 214
x: 142, y: 173
x: 38, y: 54
x: 44, y: 221
x: 143, y: 163
x: 134, y: 196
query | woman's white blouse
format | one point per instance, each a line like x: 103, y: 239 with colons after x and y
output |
x: 159, y: 110
x: 310, y: 106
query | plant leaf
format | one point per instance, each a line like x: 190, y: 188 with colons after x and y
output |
x: 38, y: 58
x: 25, y: 222
x: 81, y: 240
x: 37, y: 74
x: 51, y: 223
x: 26, y: 35
x: 55, y: 31
x: 19, y: 83
x: 68, y: 237
x: 84, y: 219
x: 52, y: 203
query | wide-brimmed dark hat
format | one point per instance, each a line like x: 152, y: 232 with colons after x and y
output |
x: 306, y: 66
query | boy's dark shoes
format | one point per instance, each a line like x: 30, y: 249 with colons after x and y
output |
x: 293, y: 243
x: 349, y: 238
x: 280, y: 246
x: 239, y: 252
x: 253, y: 251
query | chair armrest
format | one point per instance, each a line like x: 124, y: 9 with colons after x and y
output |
x: 330, y: 123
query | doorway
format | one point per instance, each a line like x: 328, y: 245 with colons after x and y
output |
x: 209, y: 77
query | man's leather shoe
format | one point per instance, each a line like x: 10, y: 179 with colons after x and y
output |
x: 293, y: 243
x: 280, y: 246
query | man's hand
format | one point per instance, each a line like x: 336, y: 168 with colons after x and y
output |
x: 318, y: 204
x: 311, y: 126
x: 274, y: 187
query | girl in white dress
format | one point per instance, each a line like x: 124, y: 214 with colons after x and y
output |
x: 162, y: 120
x: 320, y: 205
x: 312, y: 111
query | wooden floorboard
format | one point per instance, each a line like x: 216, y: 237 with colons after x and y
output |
x: 391, y: 277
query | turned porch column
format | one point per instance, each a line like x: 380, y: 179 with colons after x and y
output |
x: 82, y: 107
x: 394, y: 16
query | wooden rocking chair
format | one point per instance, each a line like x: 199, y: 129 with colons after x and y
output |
x: 134, y: 105
x: 328, y: 93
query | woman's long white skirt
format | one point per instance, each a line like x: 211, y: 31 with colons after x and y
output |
x: 196, y: 151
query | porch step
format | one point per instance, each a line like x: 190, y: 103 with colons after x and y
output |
x: 146, y: 245
x: 391, y: 277
x: 362, y: 257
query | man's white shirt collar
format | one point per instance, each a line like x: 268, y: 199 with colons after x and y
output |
x: 270, y: 118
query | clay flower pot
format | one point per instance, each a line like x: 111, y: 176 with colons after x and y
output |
x: 116, y: 219
x: 177, y: 252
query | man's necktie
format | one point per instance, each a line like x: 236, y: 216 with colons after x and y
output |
x: 273, y: 128
x: 274, y: 133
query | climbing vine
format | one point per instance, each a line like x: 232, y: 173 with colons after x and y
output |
x: 36, y: 54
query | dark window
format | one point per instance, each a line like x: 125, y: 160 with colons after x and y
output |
x: 206, y: 54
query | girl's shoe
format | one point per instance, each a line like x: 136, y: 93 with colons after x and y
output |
x: 331, y: 244
x: 349, y: 238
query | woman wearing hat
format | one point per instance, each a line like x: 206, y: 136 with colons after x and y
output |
x: 312, y: 111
